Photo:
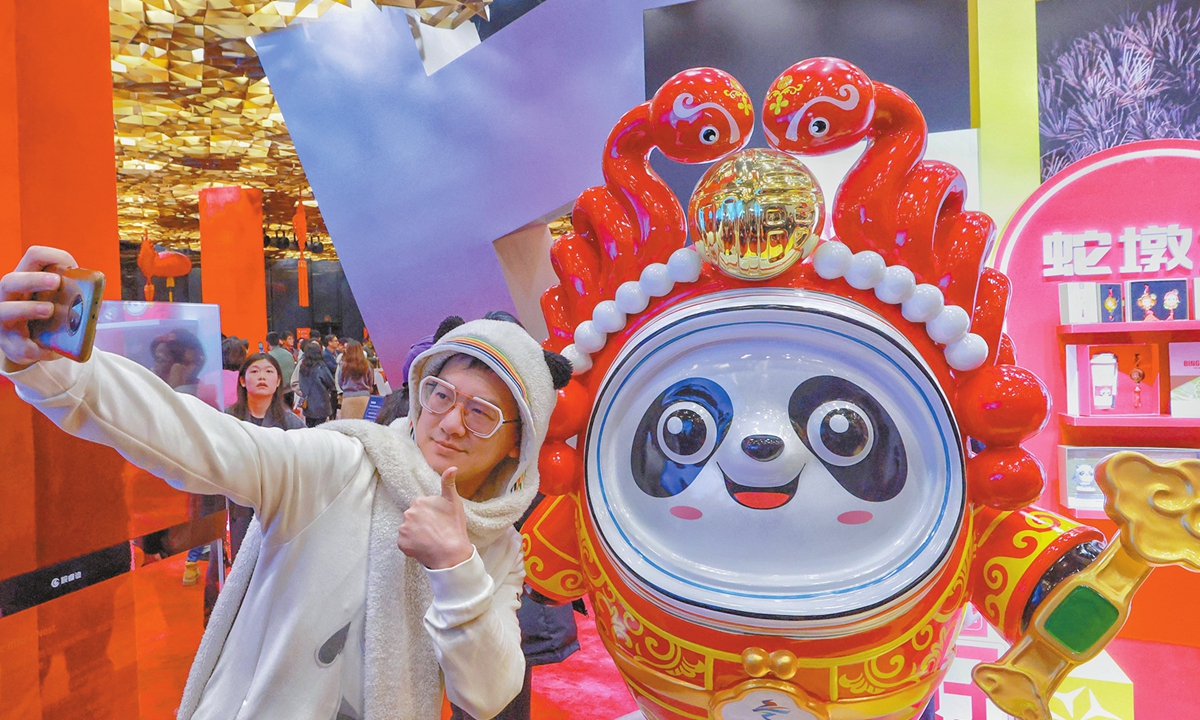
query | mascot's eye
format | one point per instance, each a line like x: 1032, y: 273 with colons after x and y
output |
x: 852, y: 435
x: 818, y: 126
x: 687, y: 433
x: 840, y: 433
x: 677, y: 435
x: 709, y: 135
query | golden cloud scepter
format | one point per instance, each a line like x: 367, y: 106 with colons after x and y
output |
x: 1157, y: 511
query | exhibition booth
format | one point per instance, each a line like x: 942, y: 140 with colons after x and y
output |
x: 883, y: 320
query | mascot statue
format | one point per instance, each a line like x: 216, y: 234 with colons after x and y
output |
x: 784, y: 465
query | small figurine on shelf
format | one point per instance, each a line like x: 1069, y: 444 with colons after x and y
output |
x: 1111, y: 305
x: 1137, y: 375
x: 1146, y: 301
x: 1104, y: 381
x: 1085, y: 479
x: 1170, y: 302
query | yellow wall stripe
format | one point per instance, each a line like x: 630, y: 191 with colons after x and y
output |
x: 1004, y: 102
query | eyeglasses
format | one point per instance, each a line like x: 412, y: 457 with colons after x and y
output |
x: 481, y: 417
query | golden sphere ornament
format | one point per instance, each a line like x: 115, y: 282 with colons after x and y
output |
x: 756, y: 213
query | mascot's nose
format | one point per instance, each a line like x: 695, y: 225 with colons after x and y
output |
x: 762, y: 447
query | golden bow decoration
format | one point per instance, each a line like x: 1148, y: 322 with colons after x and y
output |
x: 1157, y: 511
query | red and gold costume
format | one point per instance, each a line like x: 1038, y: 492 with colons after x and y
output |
x: 668, y: 524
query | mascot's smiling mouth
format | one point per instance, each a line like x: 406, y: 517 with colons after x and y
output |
x: 761, y: 498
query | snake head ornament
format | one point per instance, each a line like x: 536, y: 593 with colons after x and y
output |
x: 700, y: 115
x: 634, y: 219
x: 818, y: 106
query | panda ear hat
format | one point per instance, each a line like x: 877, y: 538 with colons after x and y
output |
x: 560, y: 369
x: 532, y: 375
x: 559, y: 366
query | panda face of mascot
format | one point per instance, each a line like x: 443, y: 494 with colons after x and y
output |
x: 826, y: 420
x: 786, y: 456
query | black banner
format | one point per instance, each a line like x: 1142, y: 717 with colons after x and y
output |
x: 45, y: 584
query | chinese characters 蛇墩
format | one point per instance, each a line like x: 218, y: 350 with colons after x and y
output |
x: 1149, y: 250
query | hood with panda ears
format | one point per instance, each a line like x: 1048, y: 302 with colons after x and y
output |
x: 519, y: 361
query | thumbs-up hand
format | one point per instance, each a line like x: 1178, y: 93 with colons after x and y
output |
x: 434, y: 529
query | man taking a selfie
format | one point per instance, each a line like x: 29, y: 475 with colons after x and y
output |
x: 386, y: 558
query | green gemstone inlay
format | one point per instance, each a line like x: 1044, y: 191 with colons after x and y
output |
x: 1082, y: 618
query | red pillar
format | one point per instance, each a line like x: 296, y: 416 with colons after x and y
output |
x: 58, y: 183
x: 59, y: 497
x: 233, y: 271
x: 57, y: 187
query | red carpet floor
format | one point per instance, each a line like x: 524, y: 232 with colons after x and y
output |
x: 586, y: 686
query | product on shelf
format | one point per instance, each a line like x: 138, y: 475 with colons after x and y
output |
x: 1184, y: 362
x: 1079, y: 303
x: 1154, y: 300
x: 1112, y: 379
x: 1112, y: 302
x: 1077, y: 488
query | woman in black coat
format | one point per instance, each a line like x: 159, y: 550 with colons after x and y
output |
x: 316, y: 385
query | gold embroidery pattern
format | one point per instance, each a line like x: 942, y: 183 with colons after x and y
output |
x: 1002, y: 573
x: 777, y: 97
x: 627, y: 630
x: 905, y: 661
x: 928, y: 649
x: 743, y: 101
x: 564, y: 583
x: 548, y: 566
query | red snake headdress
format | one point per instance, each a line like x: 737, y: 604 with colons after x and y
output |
x: 904, y: 248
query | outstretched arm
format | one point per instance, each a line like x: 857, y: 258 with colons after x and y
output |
x: 287, y: 477
x: 1020, y: 557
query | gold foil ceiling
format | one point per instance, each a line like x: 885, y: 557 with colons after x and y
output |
x: 441, y: 13
x: 193, y: 108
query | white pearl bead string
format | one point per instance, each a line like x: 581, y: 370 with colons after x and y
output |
x: 948, y: 325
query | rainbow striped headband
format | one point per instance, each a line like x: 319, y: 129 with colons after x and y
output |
x: 492, y: 356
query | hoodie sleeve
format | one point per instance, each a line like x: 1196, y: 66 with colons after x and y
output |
x: 473, y: 623
x: 287, y: 477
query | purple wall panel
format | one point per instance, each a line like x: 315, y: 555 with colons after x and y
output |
x: 416, y: 175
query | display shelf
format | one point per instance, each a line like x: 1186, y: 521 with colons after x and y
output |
x: 1129, y: 430
x: 1132, y: 422
x: 1171, y: 327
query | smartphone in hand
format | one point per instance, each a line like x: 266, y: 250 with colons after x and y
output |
x: 71, y: 330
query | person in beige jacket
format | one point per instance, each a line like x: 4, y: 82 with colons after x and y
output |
x: 385, y: 566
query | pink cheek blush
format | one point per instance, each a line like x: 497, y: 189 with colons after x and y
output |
x: 855, y: 517
x: 686, y: 512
